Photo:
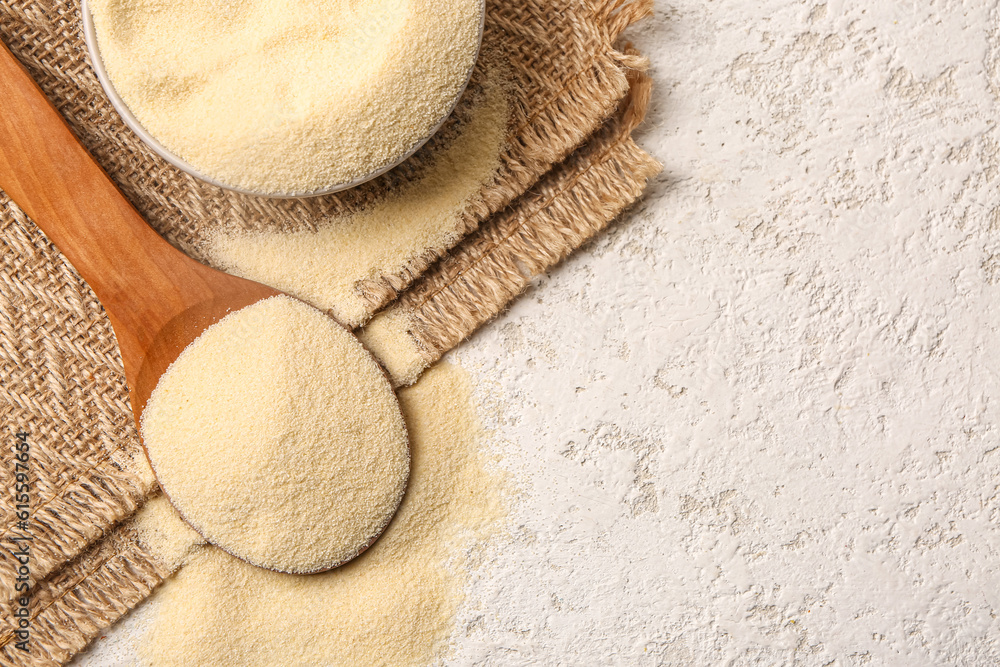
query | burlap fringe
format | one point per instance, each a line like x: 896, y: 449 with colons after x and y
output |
x: 544, y: 137
x: 75, y: 606
x: 77, y: 516
x: 483, y: 274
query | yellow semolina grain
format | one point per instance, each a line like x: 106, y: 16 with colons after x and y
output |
x: 387, y: 335
x: 324, y: 266
x: 395, y: 605
x: 288, y: 96
x: 163, y: 533
x: 277, y: 436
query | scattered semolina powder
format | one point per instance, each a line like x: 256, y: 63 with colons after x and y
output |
x: 393, y: 606
x: 323, y: 267
x: 288, y: 96
x: 387, y: 336
x: 162, y: 531
x: 278, y: 438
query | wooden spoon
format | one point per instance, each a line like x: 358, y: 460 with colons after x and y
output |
x: 158, y: 299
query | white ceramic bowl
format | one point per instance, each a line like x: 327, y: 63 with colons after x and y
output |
x: 90, y: 37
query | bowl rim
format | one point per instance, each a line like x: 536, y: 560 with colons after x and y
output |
x: 94, y: 51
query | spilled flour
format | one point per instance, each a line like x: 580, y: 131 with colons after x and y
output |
x: 386, y: 335
x: 323, y: 267
x: 288, y: 96
x: 277, y: 436
x: 393, y: 605
x: 162, y: 531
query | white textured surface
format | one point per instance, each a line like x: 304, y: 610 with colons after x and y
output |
x: 755, y: 423
x: 758, y: 419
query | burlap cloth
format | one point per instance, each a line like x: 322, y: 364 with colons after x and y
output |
x: 568, y: 169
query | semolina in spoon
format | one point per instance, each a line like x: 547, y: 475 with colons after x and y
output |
x: 271, y: 429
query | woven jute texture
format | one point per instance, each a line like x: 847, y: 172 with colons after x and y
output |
x: 62, y: 382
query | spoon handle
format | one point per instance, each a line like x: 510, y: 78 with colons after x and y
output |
x: 52, y: 178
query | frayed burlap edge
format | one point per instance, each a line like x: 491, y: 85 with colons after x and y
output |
x: 71, y: 608
x: 545, y: 138
x: 99, y: 497
x: 480, y: 277
x: 580, y: 198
